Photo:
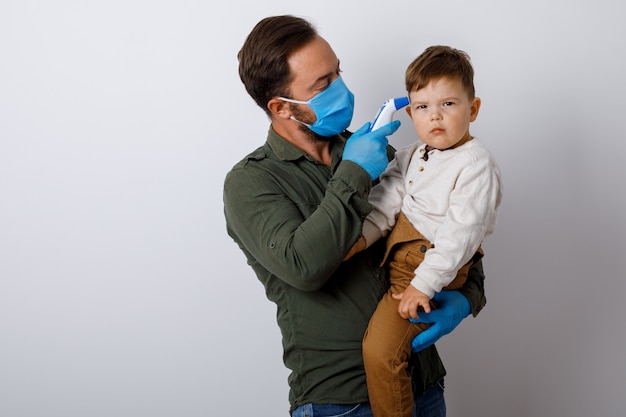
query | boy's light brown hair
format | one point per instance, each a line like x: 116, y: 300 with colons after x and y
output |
x: 440, y: 62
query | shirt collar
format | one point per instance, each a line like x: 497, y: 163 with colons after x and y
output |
x: 283, y: 149
x: 288, y: 152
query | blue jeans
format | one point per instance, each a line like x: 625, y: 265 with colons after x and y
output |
x: 430, y: 404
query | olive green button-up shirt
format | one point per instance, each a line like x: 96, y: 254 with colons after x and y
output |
x: 295, y: 219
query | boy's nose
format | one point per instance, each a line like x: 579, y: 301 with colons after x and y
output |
x: 435, y: 116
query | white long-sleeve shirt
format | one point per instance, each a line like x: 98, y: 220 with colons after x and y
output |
x: 452, y: 200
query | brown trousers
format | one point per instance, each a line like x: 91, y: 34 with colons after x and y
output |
x: 387, y: 340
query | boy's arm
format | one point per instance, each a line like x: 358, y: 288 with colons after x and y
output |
x: 469, y: 219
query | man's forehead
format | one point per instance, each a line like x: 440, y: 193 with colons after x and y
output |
x: 313, y: 62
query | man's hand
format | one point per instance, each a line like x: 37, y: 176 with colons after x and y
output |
x: 453, y: 308
x: 369, y: 149
x: 410, y: 300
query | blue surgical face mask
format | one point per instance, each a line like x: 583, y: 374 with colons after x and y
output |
x: 333, y: 109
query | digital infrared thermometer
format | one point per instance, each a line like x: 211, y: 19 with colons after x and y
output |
x: 385, y: 114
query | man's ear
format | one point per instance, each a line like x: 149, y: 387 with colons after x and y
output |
x: 474, y: 108
x: 279, y: 108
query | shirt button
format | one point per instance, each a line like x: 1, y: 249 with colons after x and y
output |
x: 421, y: 168
x: 411, y: 182
x: 423, y: 249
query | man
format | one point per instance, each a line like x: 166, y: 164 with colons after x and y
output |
x: 295, y: 207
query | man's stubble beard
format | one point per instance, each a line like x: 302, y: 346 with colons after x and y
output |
x: 306, y: 118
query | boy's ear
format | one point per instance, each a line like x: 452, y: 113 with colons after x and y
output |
x: 474, y: 108
x: 408, y: 111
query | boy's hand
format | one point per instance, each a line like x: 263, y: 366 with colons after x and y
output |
x: 410, y: 300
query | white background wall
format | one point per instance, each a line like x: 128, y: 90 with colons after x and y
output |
x: 122, y: 295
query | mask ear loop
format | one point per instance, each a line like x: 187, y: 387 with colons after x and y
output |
x: 296, y: 102
x: 301, y: 122
x: 290, y: 100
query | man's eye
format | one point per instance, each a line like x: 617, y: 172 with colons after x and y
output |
x: 322, y: 88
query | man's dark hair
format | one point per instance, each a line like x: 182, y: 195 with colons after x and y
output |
x: 263, y: 66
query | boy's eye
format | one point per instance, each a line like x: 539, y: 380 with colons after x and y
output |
x: 420, y: 107
x: 448, y: 103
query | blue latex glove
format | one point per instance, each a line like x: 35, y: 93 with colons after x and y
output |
x: 369, y: 149
x: 453, y: 308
